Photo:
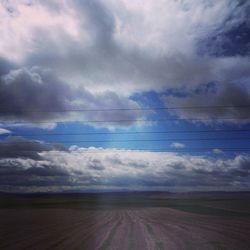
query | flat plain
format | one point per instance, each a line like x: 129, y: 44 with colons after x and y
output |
x: 147, y: 220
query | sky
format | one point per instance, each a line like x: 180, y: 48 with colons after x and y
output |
x: 121, y: 95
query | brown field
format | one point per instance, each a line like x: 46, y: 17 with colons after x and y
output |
x: 134, y: 223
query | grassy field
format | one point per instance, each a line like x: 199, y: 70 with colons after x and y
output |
x: 125, y: 221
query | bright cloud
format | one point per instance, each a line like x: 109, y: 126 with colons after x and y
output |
x: 19, y: 34
x: 177, y: 145
x: 63, y: 34
x: 4, y: 131
x: 88, y: 168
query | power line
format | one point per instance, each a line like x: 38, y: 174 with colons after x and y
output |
x: 127, y: 120
x: 128, y: 133
x: 138, y: 140
x: 126, y: 109
x: 192, y: 150
x: 155, y: 140
x: 181, y: 150
x: 159, y: 150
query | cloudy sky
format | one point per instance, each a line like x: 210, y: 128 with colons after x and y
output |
x: 124, y: 95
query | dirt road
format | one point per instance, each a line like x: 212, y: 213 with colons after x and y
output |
x: 120, y: 229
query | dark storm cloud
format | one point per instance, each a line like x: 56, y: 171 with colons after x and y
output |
x: 36, y: 95
x: 22, y: 165
x: 5, y: 66
x: 26, y: 94
x: 235, y: 96
x: 18, y: 147
x: 6, y: 169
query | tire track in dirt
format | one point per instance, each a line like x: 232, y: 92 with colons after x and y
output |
x: 165, y: 239
x: 37, y: 237
x: 205, y: 232
x: 107, y: 242
x: 58, y: 229
x: 158, y: 243
x: 96, y: 234
x: 76, y: 239
x: 126, y: 228
x: 121, y: 237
